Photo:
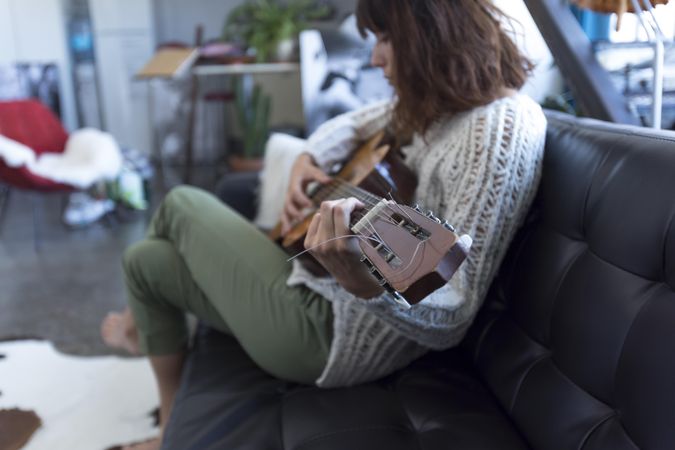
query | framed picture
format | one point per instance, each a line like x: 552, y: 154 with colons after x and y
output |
x: 31, y: 80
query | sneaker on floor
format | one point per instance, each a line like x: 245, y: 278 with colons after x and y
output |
x: 83, y: 210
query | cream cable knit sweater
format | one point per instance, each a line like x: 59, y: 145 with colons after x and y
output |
x: 478, y: 169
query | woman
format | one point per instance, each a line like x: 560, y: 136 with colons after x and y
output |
x: 476, y: 146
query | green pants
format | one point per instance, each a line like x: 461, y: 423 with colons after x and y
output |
x: 203, y: 258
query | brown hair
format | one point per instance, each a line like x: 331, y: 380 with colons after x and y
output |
x: 449, y: 56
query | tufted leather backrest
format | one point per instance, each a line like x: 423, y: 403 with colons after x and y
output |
x: 577, y: 336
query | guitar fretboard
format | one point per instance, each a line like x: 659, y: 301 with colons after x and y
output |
x: 337, y: 189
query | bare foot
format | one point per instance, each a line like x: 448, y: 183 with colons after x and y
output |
x: 152, y: 444
x: 118, y: 331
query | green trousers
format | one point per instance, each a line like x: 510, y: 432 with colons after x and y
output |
x: 201, y: 257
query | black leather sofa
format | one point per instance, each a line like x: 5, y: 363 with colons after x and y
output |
x: 573, y: 349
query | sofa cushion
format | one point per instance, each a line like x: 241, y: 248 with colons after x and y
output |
x: 226, y: 401
x: 577, y: 336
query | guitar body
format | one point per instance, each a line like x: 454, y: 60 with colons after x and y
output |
x: 373, y: 167
x: 411, y: 254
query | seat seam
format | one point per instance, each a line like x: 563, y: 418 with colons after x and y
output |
x: 282, y: 409
x: 522, y: 379
x: 630, y: 272
x: 647, y: 301
x: 666, y: 240
x: 501, y: 416
x: 648, y: 297
x: 587, y: 195
x: 556, y: 294
x: 483, y: 336
x: 595, y: 427
x: 407, y: 416
x: 569, y: 122
x: 328, y: 434
x: 599, y: 424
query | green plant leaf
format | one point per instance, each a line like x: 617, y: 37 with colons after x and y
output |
x: 262, y: 24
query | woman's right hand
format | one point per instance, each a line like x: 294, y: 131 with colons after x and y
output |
x: 304, y: 171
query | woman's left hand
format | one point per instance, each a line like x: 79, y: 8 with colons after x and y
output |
x: 340, y: 257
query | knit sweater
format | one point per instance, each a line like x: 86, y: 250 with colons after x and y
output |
x: 479, y: 170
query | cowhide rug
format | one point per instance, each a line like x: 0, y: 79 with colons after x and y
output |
x: 84, y: 403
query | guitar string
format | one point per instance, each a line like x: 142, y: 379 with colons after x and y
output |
x: 347, y: 188
x: 380, y: 240
x: 343, y: 187
x: 358, y: 191
x: 401, y: 209
x: 335, y: 187
x: 339, y: 184
x: 358, y: 236
x: 362, y: 238
x: 342, y: 190
x: 412, y: 258
x: 382, y: 214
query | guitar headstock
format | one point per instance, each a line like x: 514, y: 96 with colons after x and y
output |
x: 409, y: 252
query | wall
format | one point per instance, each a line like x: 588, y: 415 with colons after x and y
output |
x: 8, y: 46
x: 34, y: 31
x: 546, y: 79
x: 175, y: 20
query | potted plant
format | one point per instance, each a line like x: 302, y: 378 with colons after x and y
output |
x: 271, y: 28
x: 253, y: 116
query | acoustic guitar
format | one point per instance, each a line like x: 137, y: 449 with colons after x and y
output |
x: 409, y: 252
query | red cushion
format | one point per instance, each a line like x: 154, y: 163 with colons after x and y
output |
x: 22, y: 178
x: 34, y: 125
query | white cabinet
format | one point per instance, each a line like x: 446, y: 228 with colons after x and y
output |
x: 124, y: 42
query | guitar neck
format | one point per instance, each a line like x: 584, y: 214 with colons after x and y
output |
x: 338, y: 189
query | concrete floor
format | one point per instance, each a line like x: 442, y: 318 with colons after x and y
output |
x: 62, y: 291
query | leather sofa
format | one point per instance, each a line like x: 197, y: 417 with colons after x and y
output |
x: 574, y: 347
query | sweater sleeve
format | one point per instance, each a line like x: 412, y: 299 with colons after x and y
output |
x: 500, y: 154
x: 335, y: 139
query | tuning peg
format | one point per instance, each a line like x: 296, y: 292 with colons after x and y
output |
x: 364, y: 259
x: 430, y: 215
x: 447, y: 226
x: 400, y: 300
x: 417, y: 208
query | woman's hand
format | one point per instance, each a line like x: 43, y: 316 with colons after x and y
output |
x: 340, y: 257
x: 303, y: 172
